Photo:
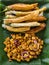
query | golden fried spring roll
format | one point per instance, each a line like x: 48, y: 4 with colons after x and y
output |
x: 22, y: 7
x: 20, y: 13
x: 24, y: 18
x: 25, y: 24
x: 37, y: 29
x: 17, y: 13
x: 18, y: 29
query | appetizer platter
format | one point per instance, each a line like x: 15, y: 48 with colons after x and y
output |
x: 23, y: 23
x: 20, y: 18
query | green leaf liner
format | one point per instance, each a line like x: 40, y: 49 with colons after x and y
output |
x: 46, y: 60
x: 44, y: 57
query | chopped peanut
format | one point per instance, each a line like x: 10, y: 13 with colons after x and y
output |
x: 23, y: 48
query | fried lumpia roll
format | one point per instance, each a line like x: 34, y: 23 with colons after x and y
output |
x: 37, y: 29
x: 17, y: 13
x: 22, y: 7
x: 18, y: 29
x: 25, y: 18
x: 25, y: 24
x: 20, y: 13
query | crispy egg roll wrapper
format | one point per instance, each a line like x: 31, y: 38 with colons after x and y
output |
x: 22, y: 7
x: 20, y: 13
x: 25, y: 24
x: 17, y: 13
x: 25, y: 18
x: 37, y: 29
x: 12, y: 29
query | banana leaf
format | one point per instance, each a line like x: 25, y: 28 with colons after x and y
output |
x: 43, y: 58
